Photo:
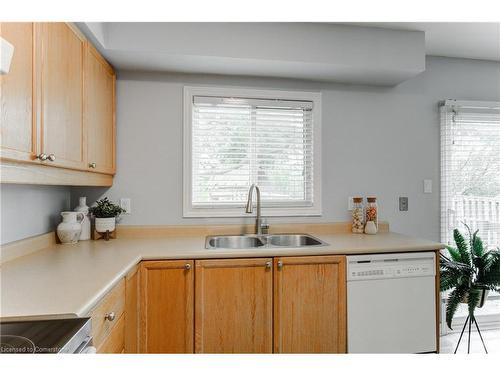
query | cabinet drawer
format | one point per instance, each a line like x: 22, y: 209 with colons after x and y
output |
x: 115, y: 342
x: 112, y: 303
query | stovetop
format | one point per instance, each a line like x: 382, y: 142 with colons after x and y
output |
x: 43, y: 336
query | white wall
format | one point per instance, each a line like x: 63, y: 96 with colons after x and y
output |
x: 377, y: 141
x: 28, y: 210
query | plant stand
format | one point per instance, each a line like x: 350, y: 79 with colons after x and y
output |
x: 470, y: 319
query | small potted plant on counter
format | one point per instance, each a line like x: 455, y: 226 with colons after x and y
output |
x: 105, y: 213
x: 471, y: 271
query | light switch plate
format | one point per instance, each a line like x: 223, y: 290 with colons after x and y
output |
x: 126, y: 204
x: 427, y: 186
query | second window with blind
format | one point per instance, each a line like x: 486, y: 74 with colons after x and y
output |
x: 234, y: 138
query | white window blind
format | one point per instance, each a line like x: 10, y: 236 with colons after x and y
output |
x: 470, y: 169
x: 240, y: 141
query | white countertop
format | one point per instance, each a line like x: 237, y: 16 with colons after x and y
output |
x: 68, y: 280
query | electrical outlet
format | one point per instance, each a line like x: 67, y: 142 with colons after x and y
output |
x: 403, y: 203
x: 125, y: 203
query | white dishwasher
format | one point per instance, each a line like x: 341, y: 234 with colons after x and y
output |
x: 391, y: 303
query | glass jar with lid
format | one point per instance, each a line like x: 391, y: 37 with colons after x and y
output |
x: 371, y: 211
x: 357, y: 215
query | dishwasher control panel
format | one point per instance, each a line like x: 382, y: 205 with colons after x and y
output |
x: 381, y: 266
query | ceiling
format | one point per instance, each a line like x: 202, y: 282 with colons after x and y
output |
x: 471, y: 40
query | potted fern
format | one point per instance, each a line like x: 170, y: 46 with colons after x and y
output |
x: 471, y: 271
x: 105, y: 213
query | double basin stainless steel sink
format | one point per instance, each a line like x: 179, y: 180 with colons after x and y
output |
x: 252, y: 241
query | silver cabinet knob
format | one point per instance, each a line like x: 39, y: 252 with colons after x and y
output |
x: 280, y: 264
x: 187, y: 266
x: 92, y: 165
x: 42, y: 157
x: 51, y: 157
x: 110, y: 316
x: 268, y: 265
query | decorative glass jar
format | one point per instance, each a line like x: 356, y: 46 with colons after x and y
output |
x: 357, y: 215
x: 371, y: 211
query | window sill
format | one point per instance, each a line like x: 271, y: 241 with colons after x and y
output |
x: 240, y: 212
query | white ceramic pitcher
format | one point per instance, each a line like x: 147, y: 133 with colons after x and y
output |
x: 70, y: 228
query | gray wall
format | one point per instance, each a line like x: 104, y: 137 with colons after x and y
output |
x: 377, y: 141
x: 341, y: 53
x: 28, y: 210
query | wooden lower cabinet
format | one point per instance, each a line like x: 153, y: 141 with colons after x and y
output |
x: 166, y: 306
x: 107, y: 313
x: 132, y: 311
x: 115, y: 342
x: 108, y: 321
x: 233, y: 299
x: 310, y: 304
x: 255, y: 305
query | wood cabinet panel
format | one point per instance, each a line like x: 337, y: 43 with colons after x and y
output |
x: 114, y: 343
x: 132, y: 311
x: 166, y: 308
x: 58, y: 99
x: 14, y: 172
x: 233, y: 300
x: 60, y: 50
x: 113, y: 302
x: 18, y: 126
x: 99, y: 113
x: 310, y: 304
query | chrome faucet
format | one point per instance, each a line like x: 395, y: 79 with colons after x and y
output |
x: 249, y: 208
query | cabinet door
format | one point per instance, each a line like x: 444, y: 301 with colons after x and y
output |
x: 99, y: 112
x: 60, y: 48
x: 166, y: 307
x: 132, y: 311
x: 18, y: 126
x: 114, y: 343
x: 310, y: 304
x: 233, y: 301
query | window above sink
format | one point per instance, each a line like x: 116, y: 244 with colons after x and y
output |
x: 234, y: 138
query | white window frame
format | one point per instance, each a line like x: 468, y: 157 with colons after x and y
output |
x: 446, y: 109
x: 190, y: 92
x: 491, y: 321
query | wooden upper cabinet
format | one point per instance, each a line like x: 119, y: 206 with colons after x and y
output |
x: 57, y: 108
x: 310, y: 304
x: 60, y: 51
x: 233, y: 302
x: 99, y: 112
x: 166, y: 308
x: 18, y: 127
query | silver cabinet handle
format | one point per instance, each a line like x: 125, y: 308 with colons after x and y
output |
x: 92, y: 165
x: 110, y: 316
x: 51, y: 157
x: 280, y: 264
x: 268, y: 265
x: 42, y: 157
x: 187, y: 266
